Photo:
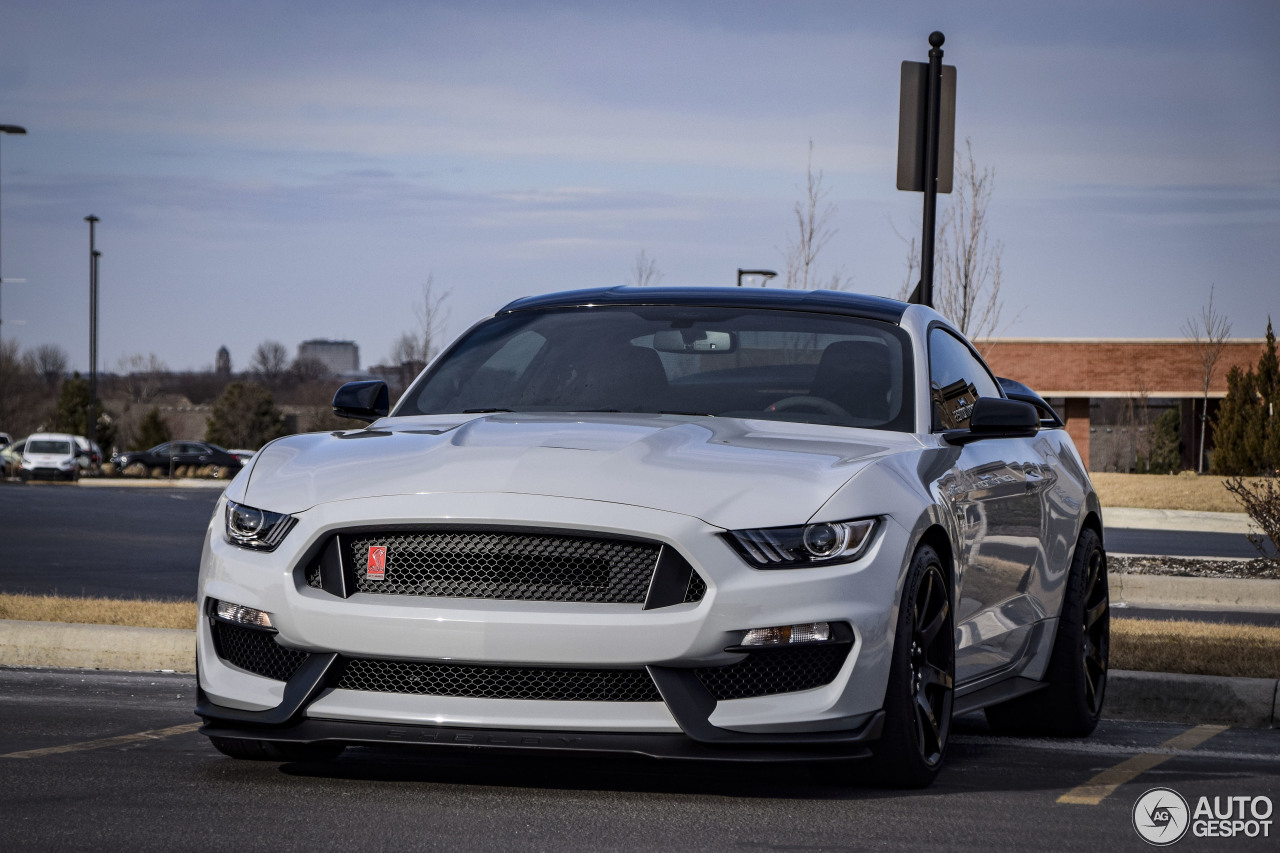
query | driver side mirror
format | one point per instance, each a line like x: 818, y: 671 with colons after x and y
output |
x: 362, y: 401
x: 994, y: 417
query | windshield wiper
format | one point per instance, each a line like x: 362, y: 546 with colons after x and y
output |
x: 690, y: 414
x: 484, y: 411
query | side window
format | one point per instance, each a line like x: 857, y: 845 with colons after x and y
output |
x: 956, y: 380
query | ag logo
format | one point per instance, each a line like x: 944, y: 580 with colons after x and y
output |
x: 1161, y: 817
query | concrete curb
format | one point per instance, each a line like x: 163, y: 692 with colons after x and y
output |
x: 1124, y: 518
x: 1176, y: 698
x: 63, y: 644
x: 154, y: 483
x: 1170, y: 590
x: 123, y: 483
x: 1155, y: 696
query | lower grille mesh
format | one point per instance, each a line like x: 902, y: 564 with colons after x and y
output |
x: 255, y: 651
x: 499, y: 682
x: 771, y: 672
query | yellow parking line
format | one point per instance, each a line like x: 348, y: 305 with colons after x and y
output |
x: 1105, y: 783
x: 154, y: 734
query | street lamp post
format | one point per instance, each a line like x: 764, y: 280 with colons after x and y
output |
x: 91, y: 416
x: 20, y: 131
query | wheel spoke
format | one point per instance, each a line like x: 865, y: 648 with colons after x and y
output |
x: 1094, y: 614
x: 930, y: 631
x: 932, y: 676
x: 923, y: 596
x: 927, y: 724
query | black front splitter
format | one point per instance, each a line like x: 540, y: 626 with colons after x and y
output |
x: 816, y: 746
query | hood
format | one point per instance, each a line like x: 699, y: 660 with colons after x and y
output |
x: 728, y: 472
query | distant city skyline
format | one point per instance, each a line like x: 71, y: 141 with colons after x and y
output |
x: 267, y: 171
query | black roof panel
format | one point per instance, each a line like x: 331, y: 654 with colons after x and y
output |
x: 817, y: 301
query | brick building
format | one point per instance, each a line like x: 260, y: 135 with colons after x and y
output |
x: 1085, y: 379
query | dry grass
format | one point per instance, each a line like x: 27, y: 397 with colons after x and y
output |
x: 1195, y: 648
x: 1166, y: 491
x: 99, y: 611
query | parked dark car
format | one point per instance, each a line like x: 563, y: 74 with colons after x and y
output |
x: 183, y: 452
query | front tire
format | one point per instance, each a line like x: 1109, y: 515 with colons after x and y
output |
x: 1077, y: 675
x: 921, y: 686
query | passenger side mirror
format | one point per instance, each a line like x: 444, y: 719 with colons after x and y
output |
x: 362, y: 401
x: 994, y: 417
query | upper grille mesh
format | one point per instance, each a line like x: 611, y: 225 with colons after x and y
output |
x: 775, y: 671
x: 505, y: 565
x: 499, y: 682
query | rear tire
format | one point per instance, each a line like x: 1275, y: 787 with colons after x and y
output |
x: 920, y: 691
x: 1077, y: 674
x: 274, y: 750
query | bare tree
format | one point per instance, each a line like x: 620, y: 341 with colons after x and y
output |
x: 421, y: 343
x: 645, y: 271
x: 309, y: 370
x: 968, y: 290
x: 141, y: 376
x: 813, y: 231
x: 271, y: 362
x: 414, y: 348
x: 50, y: 361
x: 1208, y: 334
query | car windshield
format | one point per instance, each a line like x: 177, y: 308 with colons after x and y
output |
x: 724, y: 362
x: 45, y: 446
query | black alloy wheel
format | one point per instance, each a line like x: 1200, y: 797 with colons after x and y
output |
x: 932, y: 655
x: 921, y: 686
x: 1096, y: 630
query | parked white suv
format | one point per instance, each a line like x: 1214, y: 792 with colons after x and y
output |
x: 50, y: 456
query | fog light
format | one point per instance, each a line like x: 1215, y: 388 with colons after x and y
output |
x: 809, y: 632
x: 241, y: 615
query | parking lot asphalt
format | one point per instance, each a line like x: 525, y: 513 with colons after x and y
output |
x: 102, y: 761
x: 110, y: 542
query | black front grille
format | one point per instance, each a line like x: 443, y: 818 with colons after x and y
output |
x: 499, y: 682
x: 256, y: 651
x: 775, y: 671
x: 696, y: 589
x: 502, y: 565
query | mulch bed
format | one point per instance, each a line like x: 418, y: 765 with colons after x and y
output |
x: 1195, y: 568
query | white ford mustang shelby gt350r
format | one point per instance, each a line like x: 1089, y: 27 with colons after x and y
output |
x: 682, y: 522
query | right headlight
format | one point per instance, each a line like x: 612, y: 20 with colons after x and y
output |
x: 256, y: 529
x: 802, y: 545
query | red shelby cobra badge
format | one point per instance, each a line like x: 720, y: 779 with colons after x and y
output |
x: 376, y: 569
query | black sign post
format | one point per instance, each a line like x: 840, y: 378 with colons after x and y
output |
x: 926, y: 145
x: 91, y: 416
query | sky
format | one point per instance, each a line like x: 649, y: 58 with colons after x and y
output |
x: 285, y: 171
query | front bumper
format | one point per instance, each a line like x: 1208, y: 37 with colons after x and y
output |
x: 683, y: 695
x: 670, y: 643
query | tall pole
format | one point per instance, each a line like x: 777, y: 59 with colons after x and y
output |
x: 936, y: 40
x: 14, y: 129
x: 91, y: 416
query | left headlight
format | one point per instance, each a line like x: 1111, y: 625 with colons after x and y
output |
x: 817, y: 544
x: 256, y: 529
